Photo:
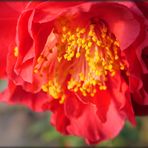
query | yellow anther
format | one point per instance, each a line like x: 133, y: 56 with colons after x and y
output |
x: 39, y: 59
x: 84, y: 94
x: 110, y: 67
x: 116, y: 43
x: 82, y: 77
x: 113, y: 73
x: 79, y: 41
x: 78, y: 35
x: 98, y: 73
x: 103, y: 87
x: 83, y: 41
x: 71, y: 84
x: 75, y: 89
x: 91, y: 33
x: 94, y: 38
x: 69, y: 33
x: 65, y: 56
x: 122, y: 67
x: 53, y: 91
x: 92, y: 94
x: 93, y: 82
x: 72, y: 37
x: 78, y: 54
x: 103, y: 63
x: 62, y: 99
x: 45, y: 88
x: 89, y: 44
x: 98, y: 42
x: 35, y: 71
x: 16, y: 52
x: 82, y: 30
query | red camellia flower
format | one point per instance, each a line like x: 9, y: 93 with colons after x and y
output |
x: 76, y: 59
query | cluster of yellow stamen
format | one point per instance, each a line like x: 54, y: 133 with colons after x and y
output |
x: 55, y: 90
x: 101, y: 54
x: 97, y: 47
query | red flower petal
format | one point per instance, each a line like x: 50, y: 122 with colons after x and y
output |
x: 8, y: 17
x: 137, y: 54
x: 143, y: 6
x: 60, y: 121
x: 89, y: 126
x: 72, y: 107
x: 140, y: 110
x: 123, y: 19
x: 16, y: 95
x: 119, y: 93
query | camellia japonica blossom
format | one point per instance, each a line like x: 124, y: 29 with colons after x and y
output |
x: 86, y: 62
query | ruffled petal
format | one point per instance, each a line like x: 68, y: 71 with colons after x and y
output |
x: 72, y: 107
x: 119, y: 92
x: 140, y: 110
x: 137, y: 54
x: 122, y: 18
x: 60, y: 121
x: 16, y: 95
x: 143, y: 6
x: 8, y: 17
x: 90, y: 127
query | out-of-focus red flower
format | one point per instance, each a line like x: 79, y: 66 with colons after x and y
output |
x: 77, y: 60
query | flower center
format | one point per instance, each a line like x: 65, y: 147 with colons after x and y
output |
x: 91, y: 53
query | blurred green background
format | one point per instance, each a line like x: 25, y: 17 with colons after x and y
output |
x: 22, y: 127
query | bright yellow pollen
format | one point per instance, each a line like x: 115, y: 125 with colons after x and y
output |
x: 16, y: 52
x: 62, y: 99
x: 100, y: 52
x: 54, y: 90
